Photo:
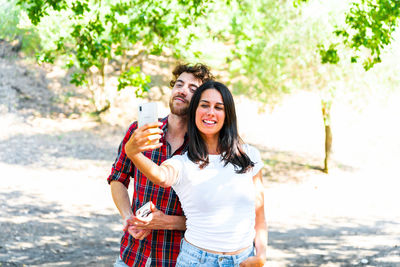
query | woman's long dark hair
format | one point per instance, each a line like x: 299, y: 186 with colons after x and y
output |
x: 229, y: 142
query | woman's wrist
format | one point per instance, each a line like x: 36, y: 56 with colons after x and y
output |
x: 261, y: 253
x: 263, y: 258
x: 131, y: 153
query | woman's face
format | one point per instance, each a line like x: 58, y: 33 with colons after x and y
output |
x: 210, y: 113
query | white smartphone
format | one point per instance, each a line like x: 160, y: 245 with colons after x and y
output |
x: 147, y: 113
x: 144, y: 211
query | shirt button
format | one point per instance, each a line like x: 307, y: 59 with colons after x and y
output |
x: 220, y: 259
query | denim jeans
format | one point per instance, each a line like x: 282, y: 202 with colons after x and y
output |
x: 120, y: 263
x: 191, y: 256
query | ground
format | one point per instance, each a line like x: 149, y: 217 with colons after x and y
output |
x: 56, y: 208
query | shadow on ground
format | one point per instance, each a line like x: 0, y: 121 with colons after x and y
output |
x: 289, y: 166
x: 338, y: 244
x: 43, y: 234
x: 50, y: 150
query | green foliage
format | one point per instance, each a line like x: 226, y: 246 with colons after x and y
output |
x: 133, y: 77
x: 9, y: 19
x: 277, y: 50
x: 297, y: 3
x: 369, y: 28
x: 274, y: 49
x: 37, y: 9
x: 10, y: 29
x: 329, y: 55
x: 261, y: 49
x: 122, y: 32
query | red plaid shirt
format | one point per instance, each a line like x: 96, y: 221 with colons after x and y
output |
x: 161, y: 245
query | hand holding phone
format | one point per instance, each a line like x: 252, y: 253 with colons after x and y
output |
x: 144, y: 212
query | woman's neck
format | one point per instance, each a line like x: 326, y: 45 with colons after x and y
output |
x: 212, y: 144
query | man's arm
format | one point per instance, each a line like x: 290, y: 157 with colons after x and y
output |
x: 121, y: 199
x: 159, y: 221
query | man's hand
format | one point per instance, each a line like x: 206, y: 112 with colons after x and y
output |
x: 253, y: 261
x: 135, y: 233
x: 140, y: 228
x: 144, y: 138
x: 138, y: 234
x: 156, y: 220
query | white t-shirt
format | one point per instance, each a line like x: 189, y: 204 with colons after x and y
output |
x: 219, y: 204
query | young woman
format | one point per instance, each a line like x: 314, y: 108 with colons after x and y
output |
x: 218, y: 181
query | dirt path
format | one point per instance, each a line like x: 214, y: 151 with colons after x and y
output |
x: 56, y: 209
x: 55, y: 206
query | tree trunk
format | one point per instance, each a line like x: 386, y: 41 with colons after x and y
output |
x: 328, y: 146
x: 100, y: 101
x: 326, y: 113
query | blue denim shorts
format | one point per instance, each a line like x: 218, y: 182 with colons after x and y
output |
x: 190, y: 255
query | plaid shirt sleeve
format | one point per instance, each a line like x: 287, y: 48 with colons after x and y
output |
x: 122, y: 168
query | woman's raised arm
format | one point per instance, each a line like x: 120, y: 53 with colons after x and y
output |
x: 146, y: 138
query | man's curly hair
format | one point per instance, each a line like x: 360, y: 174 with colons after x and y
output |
x: 199, y: 70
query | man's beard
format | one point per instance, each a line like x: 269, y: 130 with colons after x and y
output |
x: 183, y: 111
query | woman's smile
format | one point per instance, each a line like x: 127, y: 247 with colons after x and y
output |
x: 209, y: 122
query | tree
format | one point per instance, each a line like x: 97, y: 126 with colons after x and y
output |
x: 277, y: 51
x: 100, y: 35
x: 369, y: 28
x: 275, y: 54
x: 270, y: 49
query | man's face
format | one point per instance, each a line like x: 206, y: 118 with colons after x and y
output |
x: 182, y: 93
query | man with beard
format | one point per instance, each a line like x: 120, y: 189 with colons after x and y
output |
x: 155, y: 243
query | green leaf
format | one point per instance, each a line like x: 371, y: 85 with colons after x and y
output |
x: 329, y: 55
x: 134, y: 78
